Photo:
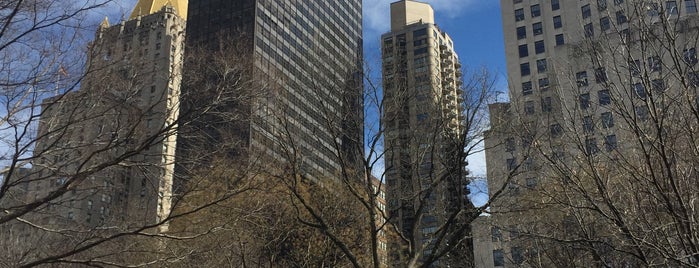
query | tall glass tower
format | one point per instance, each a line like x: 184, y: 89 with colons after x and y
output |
x: 308, y: 54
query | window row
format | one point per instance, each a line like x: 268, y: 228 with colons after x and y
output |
x: 603, y: 98
x: 591, y: 144
x: 546, y: 106
x: 541, y: 67
x: 534, y: 10
x: 527, y: 88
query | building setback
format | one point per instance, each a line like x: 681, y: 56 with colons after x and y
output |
x: 579, y: 73
x: 305, y: 57
x: 423, y: 114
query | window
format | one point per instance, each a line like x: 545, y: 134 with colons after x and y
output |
x: 420, y: 32
x: 521, y: 32
x: 536, y: 10
x: 653, y: 9
x: 690, y: 56
x: 610, y: 142
x: 498, y: 258
x: 603, y: 97
x: 496, y: 234
x: 560, y: 40
x: 586, y: 12
x: 591, y: 146
x: 618, y: 2
x: 581, y: 79
x: 517, y: 256
x: 601, y: 5
x: 420, y: 42
x: 422, y: 117
x: 546, y: 105
x: 420, y: 51
x: 527, y: 88
x: 588, y: 124
x: 690, y: 6
x: 693, y: 78
x: 524, y: 69
x: 556, y: 130
x: 671, y: 7
x: 529, y: 107
x: 71, y: 215
x: 527, y: 141
x: 557, y: 22
x: 517, y: 1
x: 544, y: 84
x: 604, y: 24
x: 541, y: 66
x: 555, y: 5
x: 509, y: 145
x: 523, y: 51
x: 537, y: 28
x: 658, y: 85
x: 642, y: 113
x: 607, y: 120
x: 539, y: 47
x: 640, y: 90
x: 513, y: 188
x: 519, y: 14
x: 620, y: 17
x: 531, y: 182
x: 511, y: 163
x: 584, y: 101
x: 600, y: 75
x: 635, y: 67
x: 589, y: 30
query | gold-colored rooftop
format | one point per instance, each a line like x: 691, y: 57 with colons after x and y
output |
x: 147, y: 7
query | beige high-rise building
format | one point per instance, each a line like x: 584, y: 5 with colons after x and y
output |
x: 581, y: 75
x: 423, y: 114
x: 107, y: 150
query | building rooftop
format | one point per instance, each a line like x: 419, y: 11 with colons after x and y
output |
x: 407, y: 12
x: 147, y: 7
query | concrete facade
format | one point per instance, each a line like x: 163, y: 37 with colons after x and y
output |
x: 107, y: 150
x: 574, y: 73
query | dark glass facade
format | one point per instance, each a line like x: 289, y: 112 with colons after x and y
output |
x: 309, y: 53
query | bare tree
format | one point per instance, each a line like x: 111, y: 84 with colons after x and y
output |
x: 618, y: 184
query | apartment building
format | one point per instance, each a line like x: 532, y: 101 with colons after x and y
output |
x: 105, y: 153
x: 589, y: 81
x: 423, y: 114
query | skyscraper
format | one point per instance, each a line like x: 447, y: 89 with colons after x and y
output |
x: 589, y: 81
x: 104, y: 154
x: 308, y: 54
x: 423, y: 99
